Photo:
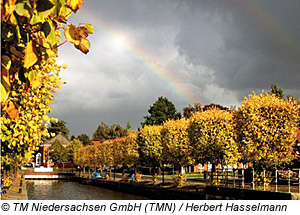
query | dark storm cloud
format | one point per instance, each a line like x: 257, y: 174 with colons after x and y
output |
x: 249, y: 45
x: 219, y: 50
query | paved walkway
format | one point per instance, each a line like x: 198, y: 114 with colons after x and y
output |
x: 197, y: 180
x: 17, y: 191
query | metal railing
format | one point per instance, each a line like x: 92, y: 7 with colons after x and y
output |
x: 278, y: 180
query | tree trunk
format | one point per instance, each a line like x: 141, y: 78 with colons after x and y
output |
x: 15, y: 171
x: 182, y: 171
x: 213, y: 169
x: 173, y: 169
x: 163, y: 174
x: 114, y: 173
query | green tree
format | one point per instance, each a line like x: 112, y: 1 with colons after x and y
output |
x: 58, y: 153
x: 101, y: 132
x: 190, y: 110
x: 278, y: 91
x: 105, y: 132
x: 162, y: 110
x: 85, y: 139
x: 117, y: 131
x: 128, y: 126
x: 214, y: 106
x: 72, y: 147
x: 59, y: 126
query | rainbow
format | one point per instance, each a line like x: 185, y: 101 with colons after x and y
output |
x: 273, y: 26
x: 138, y: 52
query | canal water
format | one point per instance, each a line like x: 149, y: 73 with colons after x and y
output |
x: 69, y: 190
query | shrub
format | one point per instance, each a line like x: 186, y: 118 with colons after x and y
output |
x: 179, y: 180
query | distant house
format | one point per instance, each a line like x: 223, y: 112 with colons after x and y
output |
x: 41, y: 157
x: 95, y: 142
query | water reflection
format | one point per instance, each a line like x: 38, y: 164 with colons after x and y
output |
x: 68, y: 190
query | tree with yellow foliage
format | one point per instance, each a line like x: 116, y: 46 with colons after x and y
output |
x: 106, y: 153
x: 117, y: 145
x: 130, y: 147
x: 176, y: 144
x: 212, y: 135
x: 150, y: 147
x: 31, y: 32
x: 266, y: 127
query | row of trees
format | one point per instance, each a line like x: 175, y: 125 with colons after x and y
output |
x: 161, y: 111
x: 261, y: 131
x: 118, y: 152
x: 106, y: 132
x: 103, y: 132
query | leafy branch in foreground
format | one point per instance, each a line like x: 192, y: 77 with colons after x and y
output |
x: 30, y: 35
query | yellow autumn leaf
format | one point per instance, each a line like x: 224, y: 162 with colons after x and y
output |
x: 83, y: 32
x: 5, y: 89
x: 30, y: 57
x: 90, y: 28
x: 74, y: 5
x: 12, y: 110
x: 84, y: 46
x: 71, y: 34
x: 5, y: 64
x: 23, y: 8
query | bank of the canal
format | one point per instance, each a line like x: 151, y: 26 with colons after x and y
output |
x: 192, y: 192
x: 17, y: 190
x: 71, y: 187
x: 146, y: 189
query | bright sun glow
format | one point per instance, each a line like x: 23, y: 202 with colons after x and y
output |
x: 119, y: 42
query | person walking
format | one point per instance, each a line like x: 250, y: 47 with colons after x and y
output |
x: 132, y: 177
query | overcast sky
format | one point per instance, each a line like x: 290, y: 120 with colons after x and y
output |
x: 186, y: 50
